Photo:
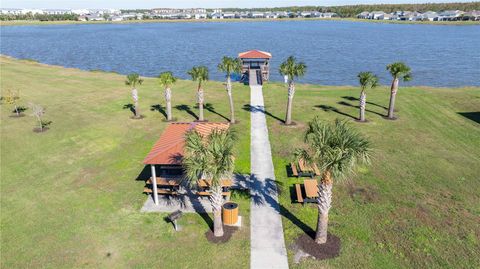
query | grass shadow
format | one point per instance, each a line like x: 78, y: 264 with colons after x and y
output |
x: 187, y: 109
x: 209, y: 107
x: 351, y: 98
x: 358, y: 107
x: 250, y: 108
x: 334, y: 109
x: 159, y: 108
x: 473, y: 116
x: 131, y: 107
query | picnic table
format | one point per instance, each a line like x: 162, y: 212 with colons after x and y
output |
x: 310, y: 194
x: 206, y: 184
x: 302, y: 169
x: 166, y: 186
x: 161, y: 181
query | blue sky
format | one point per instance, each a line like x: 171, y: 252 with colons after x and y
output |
x: 186, y: 3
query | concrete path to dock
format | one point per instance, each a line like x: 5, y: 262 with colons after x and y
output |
x: 267, y: 244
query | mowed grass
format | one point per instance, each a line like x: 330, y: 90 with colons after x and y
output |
x: 69, y: 196
x: 418, y: 204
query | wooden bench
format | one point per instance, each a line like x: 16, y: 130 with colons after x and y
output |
x: 298, y: 189
x: 294, y: 169
x: 160, y: 191
x: 206, y: 193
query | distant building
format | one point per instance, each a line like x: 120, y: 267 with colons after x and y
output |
x: 57, y: 11
x: 11, y: 11
x: 94, y: 17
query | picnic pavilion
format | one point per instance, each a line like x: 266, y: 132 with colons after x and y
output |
x: 166, y: 156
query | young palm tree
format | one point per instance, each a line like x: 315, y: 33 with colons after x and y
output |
x: 229, y: 66
x: 211, y: 157
x: 398, y: 70
x: 200, y: 74
x: 292, y: 70
x: 132, y: 80
x: 166, y: 80
x: 367, y: 81
x: 337, y: 149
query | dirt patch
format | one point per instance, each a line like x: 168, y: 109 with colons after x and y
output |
x: 329, y: 250
x: 137, y: 117
x: 361, y: 194
x: 228, y: 231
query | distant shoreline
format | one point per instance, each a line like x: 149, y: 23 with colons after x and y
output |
x: 26, y: 23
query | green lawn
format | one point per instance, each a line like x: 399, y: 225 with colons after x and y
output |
x: 417, y: 205
x: 69, y: 196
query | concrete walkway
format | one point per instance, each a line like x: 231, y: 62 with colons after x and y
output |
x: 266, y: 231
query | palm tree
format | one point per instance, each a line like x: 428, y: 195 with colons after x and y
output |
x: 211, y: 157
x: 367, y: 80
x: 200, y: 74
x: 132, y: 80
x: 337, y: 149
x: 229, y: 66
x: 398, y: 70
x: 167, y: 79
x: 292, y: 70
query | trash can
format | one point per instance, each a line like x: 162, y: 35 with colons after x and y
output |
x: 230, y: 213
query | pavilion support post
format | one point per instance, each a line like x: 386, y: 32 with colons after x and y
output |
x: 154, y: 184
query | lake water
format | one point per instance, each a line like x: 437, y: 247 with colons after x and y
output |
x: 334, y: 51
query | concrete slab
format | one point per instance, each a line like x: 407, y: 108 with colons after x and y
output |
x: 266, y: 230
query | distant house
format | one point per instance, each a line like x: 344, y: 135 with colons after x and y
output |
x: 116, y: 18
x: 430, y: 16
x: 199, y: 16
x: 328, y: 15
x: 376, y: 15
x: 271, y: 15
x: 94, y: 17
x: 11, y: 11
x: 471, y: 15
x: 364, y: 15
x: 450, y: 15
x: 228, y: 15
x: 81, y: 12
x: 256, y: 15
x: 216, y: 16
x: 389, y: 17
x: 281, y: 14
x: 306, y: 14
x: 57, y: 11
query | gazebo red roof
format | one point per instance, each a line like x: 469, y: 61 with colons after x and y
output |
x: 168, y: 149
x: 255, y: 54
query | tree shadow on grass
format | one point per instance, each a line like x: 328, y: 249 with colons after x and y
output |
x: 187, y: 109
x: 254, y: 109
x: 263, y: 193
x: 131, y: 107
x: 473, y: 116
x: 209, y: 107
x: 351, y: 98
x: 357, y: 107
x: 159, y: 108
x: 334, y: 109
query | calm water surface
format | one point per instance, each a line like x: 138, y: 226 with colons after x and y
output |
x: 334, y: 51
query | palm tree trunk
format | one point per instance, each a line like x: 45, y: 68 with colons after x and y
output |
x: 217, y: 201
x: 168, y: 99
x: 363, y: 101
x: 135, y: 102
x: 324, y: 202
x: 291, y: 92
x: 40, y: 123
x: 200, y: 104
x: 230, y: 99
x: 393, y: 93
x: 16, y: 110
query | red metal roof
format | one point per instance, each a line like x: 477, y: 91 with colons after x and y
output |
x: 168, y: 149
x: 255, y: 54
